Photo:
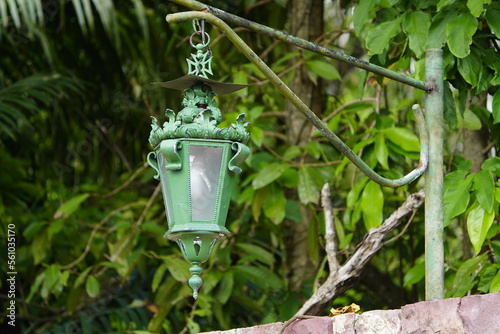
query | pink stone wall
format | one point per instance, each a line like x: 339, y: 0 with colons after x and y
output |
x: 479, y: 314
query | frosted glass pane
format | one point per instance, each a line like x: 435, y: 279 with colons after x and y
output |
x: 204, y: 164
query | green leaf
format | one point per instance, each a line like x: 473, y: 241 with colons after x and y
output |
x: 70, y: 206
x: 491, y: 16
x: 269, y: 174
x: 307, y: 189
x: 323, y: 69
x: 257, y: 135
x: 416, y: 25
x: 459, y: 34
x: 81, y: 278
x: 470, y: 68
x: 486, y: 277
x: 495, y: 283
x: 437, y: 30
x: 484, y: 186
x: 178, y: 267
x: 496, y: 107
x: 378, y: 38
x: 444, y: 3
x: 260, y: 276
x: 456, y: 196
x: 158, y: 276
x: 257, y: 252
x: 403, y: 138
x: 414, y: 275
x: 275, y: 204
x: 372, y: 205
x: 465, y: 276
x: 40, y: 246
x: 92, y: 287
x: 52, y: 276
x: 381, y: 151
x: 478, y: 223
x: 225, y: 288
x: 475, y: 7
x: 492, y: 165
x: 471, y: 121
x: 362, y: 14
x: 450, y: 114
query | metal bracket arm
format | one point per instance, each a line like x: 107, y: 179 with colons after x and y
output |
x: 318, y: 123
x: 303, y: 44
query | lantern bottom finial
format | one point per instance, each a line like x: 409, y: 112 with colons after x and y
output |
x: 195, y: 280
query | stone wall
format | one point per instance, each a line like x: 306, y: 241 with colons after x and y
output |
x: 479, y: 314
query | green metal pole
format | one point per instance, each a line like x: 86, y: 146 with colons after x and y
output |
x: 304, y: 109
x: 434, y: 249
x: 304, y: 44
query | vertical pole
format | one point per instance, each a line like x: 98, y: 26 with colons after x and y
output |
x: 434, y: 249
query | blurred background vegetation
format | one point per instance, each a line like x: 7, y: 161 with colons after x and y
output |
x: 75, y: 106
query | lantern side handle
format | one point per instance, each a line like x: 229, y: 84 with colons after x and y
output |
x: 302, y: 107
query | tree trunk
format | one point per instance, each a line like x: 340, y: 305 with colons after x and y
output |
x: 305, y: 21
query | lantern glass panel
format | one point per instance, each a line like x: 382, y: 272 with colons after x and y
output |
x: 205, y: 166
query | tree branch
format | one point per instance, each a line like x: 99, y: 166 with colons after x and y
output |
x: 341, y: 280
x: 330, y: 246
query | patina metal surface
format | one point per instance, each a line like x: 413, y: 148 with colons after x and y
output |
x: 434, y: 206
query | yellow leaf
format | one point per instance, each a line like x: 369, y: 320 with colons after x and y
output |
x: 353, y: 308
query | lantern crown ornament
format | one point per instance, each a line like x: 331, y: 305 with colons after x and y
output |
x: 196, y: 161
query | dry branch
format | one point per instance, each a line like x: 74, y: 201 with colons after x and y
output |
x: 342, y: 279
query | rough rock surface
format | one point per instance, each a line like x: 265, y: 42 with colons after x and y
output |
x: 478, y: 314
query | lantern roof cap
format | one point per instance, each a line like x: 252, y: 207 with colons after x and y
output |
x: 187, y: 81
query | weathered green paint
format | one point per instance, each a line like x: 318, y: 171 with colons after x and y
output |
x: 304, y: 44
x: 304, y: 109
x: 197, y: 229
x: 434, y: 250
x: 196, y: 162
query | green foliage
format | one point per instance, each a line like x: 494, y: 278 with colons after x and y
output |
x: 75, y: 101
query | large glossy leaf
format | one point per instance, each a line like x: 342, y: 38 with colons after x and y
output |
x: 275, y: 204
x: 403, y: 138
x: 437, y: 31
x: 269, y: 174
x: 470, y: 68
x: 378, y: 38
x: 484, y: 186
x: 476, y: 6
x: 478, y: 223
x: 491, y: 16
x: 496, y: 108
x: 382, y: 151
x: 414, y: 275
x: 259, y: 253
x: 456, y: 197
x: 372, y: 205
x: 416, y: 25
x: 362, y: 13
x: 323, y: 69
x: 307, y: 189
x: 459, y: 34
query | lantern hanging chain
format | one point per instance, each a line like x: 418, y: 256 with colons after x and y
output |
x: 201, y: 62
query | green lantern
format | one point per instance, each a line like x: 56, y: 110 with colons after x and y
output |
x: 197, y: 163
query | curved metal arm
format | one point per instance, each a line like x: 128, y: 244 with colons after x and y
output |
x: 304, y: 44
x: 295, y: 100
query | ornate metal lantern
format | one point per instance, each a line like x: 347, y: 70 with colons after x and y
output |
x: 197, y: 162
